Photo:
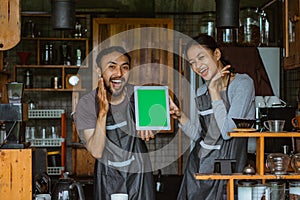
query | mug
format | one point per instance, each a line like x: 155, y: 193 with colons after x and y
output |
x: 119, y: 196
x: 274, y: 101
x: 260, y: 102
x: 296, y: 122
x: 274, y: 125
x: 43, y: 197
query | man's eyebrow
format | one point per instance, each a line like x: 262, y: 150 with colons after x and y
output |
x: 112, y: 62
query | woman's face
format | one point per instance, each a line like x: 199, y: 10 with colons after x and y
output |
x: 203, y: 61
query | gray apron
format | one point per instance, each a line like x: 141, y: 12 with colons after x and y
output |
x: 208, y: 147
x: 125, y: 166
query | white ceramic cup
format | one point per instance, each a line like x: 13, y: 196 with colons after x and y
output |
x: 43, y: 197
x: 260, y: 102
x: 119, y: 196
x: 274, y: 101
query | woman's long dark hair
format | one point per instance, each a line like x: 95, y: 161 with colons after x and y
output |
x: 208, y: 42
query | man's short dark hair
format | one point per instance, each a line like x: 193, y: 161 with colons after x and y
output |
x: 110, y: 50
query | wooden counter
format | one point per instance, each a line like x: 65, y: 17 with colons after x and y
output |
x: 260, y: 162
x: 16, y: 174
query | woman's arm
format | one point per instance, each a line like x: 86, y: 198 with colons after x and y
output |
x: 241, y: 96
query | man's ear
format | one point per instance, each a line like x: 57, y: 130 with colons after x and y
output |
x: 99, y: 72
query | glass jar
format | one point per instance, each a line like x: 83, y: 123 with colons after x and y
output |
x: 277, y: 190
x: 278, y: 163
x: 207, y: 23
x: 249, y: 30
x: 295, y: 163
x: 227, y: 36
x: 294, y: 190
x: 245, y: 189
x: 264, y: 28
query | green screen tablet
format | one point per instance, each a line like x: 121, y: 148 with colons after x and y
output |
x: 152, y: 110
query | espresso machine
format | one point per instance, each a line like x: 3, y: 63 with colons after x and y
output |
x: 13, y: 116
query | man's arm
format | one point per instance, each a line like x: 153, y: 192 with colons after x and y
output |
x: 95, y: 138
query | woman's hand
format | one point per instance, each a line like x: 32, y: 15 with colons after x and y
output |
x: 176, y: 113
x: 102, y: 97
x: 174, y: 110
x: 216, y: 83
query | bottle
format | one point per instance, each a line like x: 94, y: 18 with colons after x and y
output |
x: 2, y: 134
x: 46, y: 55
x: 28, y: 79
x: 51, y: 54
x: 78, y: 33
x: 78, y: 55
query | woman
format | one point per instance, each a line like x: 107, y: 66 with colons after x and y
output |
x: 224, y: 96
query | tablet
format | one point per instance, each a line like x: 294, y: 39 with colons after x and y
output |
x: 152, y: 110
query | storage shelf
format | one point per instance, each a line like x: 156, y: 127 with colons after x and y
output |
x: 47, y: 142
x: 52, y: 66
x: 264, y: 134
x: 260, y: 162
x: 47, y: 113
x: 55, y: 170
x: 239, y: 176
x: 55, y: 39
x: 53, y: 90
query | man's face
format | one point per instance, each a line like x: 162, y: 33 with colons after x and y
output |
x: 115, y: 72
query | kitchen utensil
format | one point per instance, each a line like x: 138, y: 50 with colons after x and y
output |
x: 243, y: 123
x: 274, y: 101
x: 14, y: 92
x: 277, y: 190
x: 274, y: 125
x: 43, y: 197
x: 294, y: 190
x: 245, y: 189
x: 296, y: 122
x: 65, y: 189
x: 249, y: 170
x: 295, y: 163
x: 278, y: 163
x: 258, y: 191
x: 23, y: 57
x: 260, y: 102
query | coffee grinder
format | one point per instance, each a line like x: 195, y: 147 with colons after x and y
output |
x: 13, y: 116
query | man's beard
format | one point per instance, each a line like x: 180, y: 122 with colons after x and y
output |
x: 118, y: 92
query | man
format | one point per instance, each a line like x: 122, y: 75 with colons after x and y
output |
x: 104, y: 119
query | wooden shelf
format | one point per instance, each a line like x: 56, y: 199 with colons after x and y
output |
x: 53, y: 90
x: 260, y: 162
x: 4, y: 72
x: 55, y: 39
x: 239, y: 176
x: 264, y: 134
x: 51, y: 66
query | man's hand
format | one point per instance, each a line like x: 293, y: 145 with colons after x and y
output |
x: 102, y: 97
x: 146, y: 134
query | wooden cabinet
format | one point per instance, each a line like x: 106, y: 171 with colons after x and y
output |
x: 292, y: 34
x: 150, y: 49
x: 260, y: 162
x: 53, y: 139
x: 16, y: 174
